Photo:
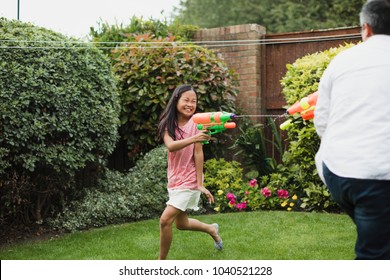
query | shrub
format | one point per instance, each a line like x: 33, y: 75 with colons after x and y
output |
x: 254, y: 196
x: 118, y: 198
x: 298, y: 169
x: 59, y: 114
x: 221, y: 177
x: 224, y: 179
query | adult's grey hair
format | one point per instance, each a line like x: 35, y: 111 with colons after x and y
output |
x: 376, y: 13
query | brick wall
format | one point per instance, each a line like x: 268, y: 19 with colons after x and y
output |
x: 243, y: 56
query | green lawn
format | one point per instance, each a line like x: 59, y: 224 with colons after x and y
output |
x: 262, y: 235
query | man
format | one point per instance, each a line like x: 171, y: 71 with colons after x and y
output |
x: 352, y: 118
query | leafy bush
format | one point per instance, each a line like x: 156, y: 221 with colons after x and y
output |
x: 221, y: 177
x: 149, y: 74
x: 298, y: 169
x: 59, y: 114
x: 118, y: 198
x: 251, y: 146
x: 231, y: 193
x: 221, y: 174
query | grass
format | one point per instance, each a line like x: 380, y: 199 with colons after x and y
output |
x: 263, y: 235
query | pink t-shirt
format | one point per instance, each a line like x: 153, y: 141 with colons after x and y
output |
x: 181, y: 163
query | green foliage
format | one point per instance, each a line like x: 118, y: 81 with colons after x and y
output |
x: 275, y: 15
x: 298, y: 169
x: 344, y: 13
x: 119, y: 198
x: 214, y: 13
x: 221, y: 174
x: 317, y: 197
x: 251, y: 147
x: 220, y: 177
x: 113, y: 35
x: 256, y: 195
x: 59, y: 114
x: 149, y: 74
x: 231, y: 193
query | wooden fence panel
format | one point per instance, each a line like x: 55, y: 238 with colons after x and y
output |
x: 282, y: 49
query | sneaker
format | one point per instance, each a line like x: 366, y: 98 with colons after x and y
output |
x: 218, y: 245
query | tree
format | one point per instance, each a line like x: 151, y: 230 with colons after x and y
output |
x: 276, y: 16
x: 111, y: 36
x: 297, y: 16
x: 214, y: 13
x: 344, y: 13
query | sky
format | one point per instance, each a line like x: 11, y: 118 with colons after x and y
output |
x: 75, y: 17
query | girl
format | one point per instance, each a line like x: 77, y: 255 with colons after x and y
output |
x: 185, y: 168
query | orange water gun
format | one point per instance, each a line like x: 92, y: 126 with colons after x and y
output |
x: 214, y: 122
x: 305, y: 107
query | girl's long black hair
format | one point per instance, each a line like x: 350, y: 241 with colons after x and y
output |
x: 168, y: 118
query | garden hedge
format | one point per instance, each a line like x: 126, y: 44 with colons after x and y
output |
x: 59, y: 115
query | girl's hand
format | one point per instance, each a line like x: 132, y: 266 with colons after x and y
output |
x: 207, y: 193
x: 202, y: 136
x: 175, y: 145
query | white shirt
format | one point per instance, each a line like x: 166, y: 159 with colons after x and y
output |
x: 352, y: 114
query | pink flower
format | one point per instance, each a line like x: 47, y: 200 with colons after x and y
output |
x: 266, y: 192
x: 230, y: 196
x: 282, y: 194
x: 253, y: 182
x: 241, y: 206
x: 246, y: 192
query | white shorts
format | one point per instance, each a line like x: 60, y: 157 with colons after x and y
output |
x: 184, y: 199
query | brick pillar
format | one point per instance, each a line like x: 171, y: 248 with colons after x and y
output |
x: 243, y: 57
